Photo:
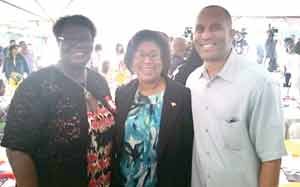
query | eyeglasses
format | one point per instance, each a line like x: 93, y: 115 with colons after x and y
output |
x: 76, y: 41
x: 142, y: 56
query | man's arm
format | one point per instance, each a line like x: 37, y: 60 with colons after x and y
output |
x: 266, y: 131
x: 269, y: 173
x: 23, y: 168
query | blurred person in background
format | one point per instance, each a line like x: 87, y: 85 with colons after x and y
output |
x: 15, y: 65
x: 6, y: 49
x: 119, y: 58
x: 178, y: 51
x: 27, y: 54
x: 2, y: 57
x: 96, y: 60
x: 121, y: 73
x: 291, y: 67
x: 192, y: 62
x: 270, y: 49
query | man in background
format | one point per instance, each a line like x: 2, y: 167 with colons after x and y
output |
x: 178, y: 50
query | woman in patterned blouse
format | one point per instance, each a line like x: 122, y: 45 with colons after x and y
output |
x: 154, y: 133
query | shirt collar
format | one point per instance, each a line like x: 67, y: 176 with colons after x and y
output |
x: 227, y: 72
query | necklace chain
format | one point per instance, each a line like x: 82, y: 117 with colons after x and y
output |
x: 83, y: 85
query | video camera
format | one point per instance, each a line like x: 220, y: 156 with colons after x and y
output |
x: 188, y: 33
x: 272, y: 31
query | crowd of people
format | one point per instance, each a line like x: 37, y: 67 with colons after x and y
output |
x: 184, y: 114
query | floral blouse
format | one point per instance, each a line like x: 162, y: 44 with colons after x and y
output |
x: 99, y: 149
x: 139, y: 157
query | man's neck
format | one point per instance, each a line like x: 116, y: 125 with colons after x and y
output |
x: 213, y: 68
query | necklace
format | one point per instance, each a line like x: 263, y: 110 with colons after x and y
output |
x: 152, y: 89
x: 82, y: 84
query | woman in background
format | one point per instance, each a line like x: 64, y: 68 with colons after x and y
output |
x: 15, y: 64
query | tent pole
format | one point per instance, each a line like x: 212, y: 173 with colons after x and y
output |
x: 23, y: 9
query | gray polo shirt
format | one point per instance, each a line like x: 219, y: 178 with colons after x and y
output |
x: 238, y: 124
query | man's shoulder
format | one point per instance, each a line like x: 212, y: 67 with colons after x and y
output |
x: 256, y: 72
x: 255, y: 78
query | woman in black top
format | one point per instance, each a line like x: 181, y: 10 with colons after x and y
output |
x: 154, y: 126
x: 59, y: 124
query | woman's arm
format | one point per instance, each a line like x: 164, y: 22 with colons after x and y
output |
x: 188, y: 134
x: 23, y: 168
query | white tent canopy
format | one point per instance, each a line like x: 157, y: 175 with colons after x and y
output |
x: 117, y: 20
x: 128, y: 16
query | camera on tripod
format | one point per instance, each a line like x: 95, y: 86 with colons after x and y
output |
x: 243, y: 32
x: 272, y: 31
x: 240, y: 43
x: 188, y: 33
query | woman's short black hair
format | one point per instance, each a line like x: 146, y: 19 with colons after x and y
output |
x: 159, y: 38
x: 75, y: 20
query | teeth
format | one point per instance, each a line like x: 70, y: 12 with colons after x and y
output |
x: 208, y: 45
x: 148, y: 66
x: 79, y: 53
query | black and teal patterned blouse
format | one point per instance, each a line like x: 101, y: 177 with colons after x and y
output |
x: 139, y: 158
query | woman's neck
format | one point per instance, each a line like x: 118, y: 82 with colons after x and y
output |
x: 150, y: 88
x: 74, y: 72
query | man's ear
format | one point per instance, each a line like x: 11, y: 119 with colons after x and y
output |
x: 233, y: 32
x: 59, y: 41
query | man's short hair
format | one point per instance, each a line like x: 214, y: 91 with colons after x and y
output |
x: 226, y: 13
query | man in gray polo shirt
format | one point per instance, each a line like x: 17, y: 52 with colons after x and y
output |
x: 237, y: 117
